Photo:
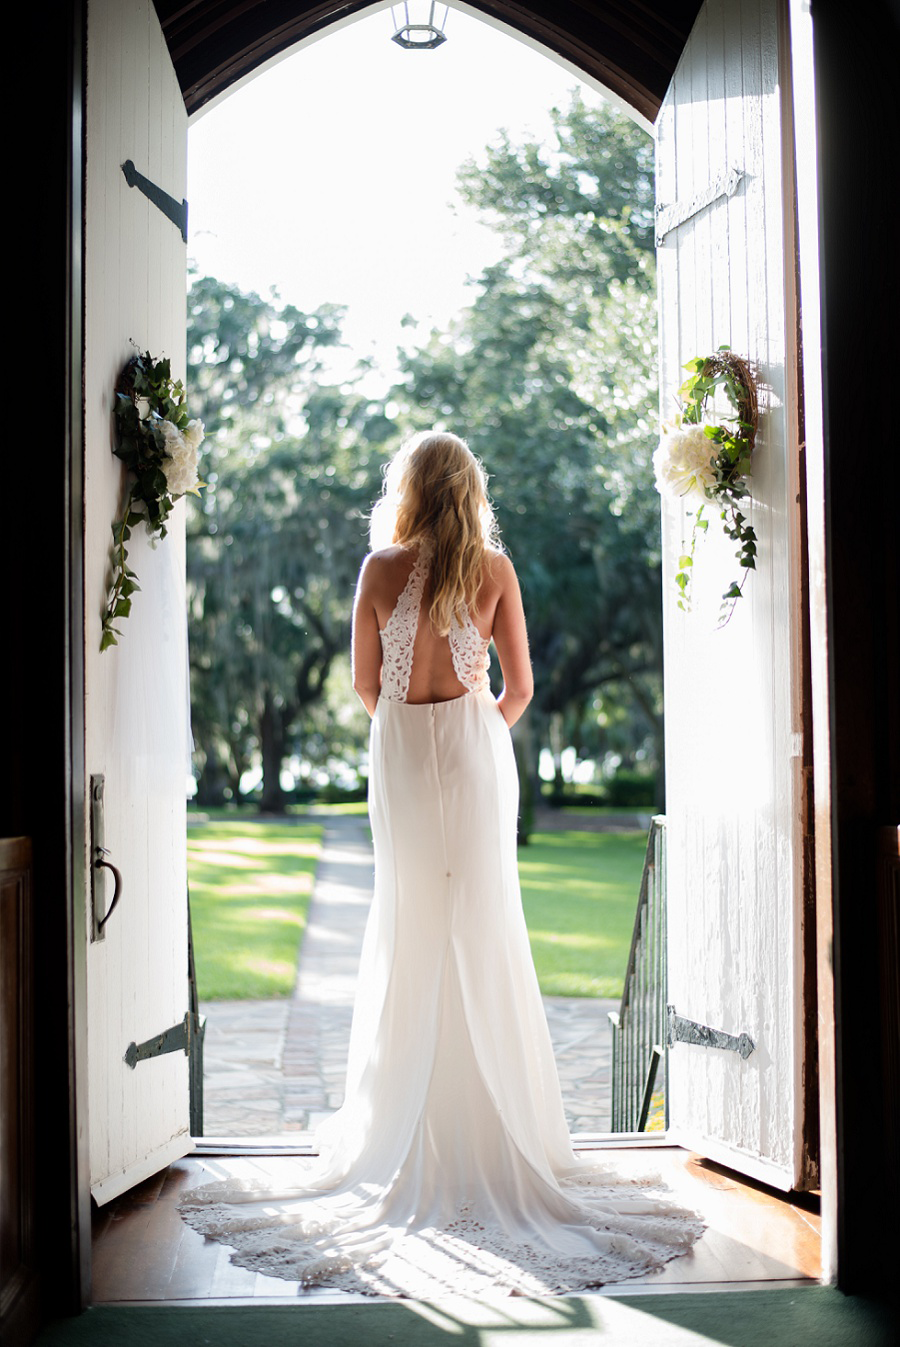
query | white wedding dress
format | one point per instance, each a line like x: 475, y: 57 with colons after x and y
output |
x: 449, y: 1168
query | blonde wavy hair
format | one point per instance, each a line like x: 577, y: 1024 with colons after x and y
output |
x: 435, y: 490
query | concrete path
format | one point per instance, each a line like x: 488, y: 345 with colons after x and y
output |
x: 275, y: 1067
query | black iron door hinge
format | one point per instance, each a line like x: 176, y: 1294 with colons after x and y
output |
x: 179, y: 1038
x: 176, y: 211
x: 682, y: 1030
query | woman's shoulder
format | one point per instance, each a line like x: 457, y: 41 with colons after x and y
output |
x: 498, y: 578
x: 382, y: 568
x: 396, y: 559
x: 386, y: 556
x: 499, y: 566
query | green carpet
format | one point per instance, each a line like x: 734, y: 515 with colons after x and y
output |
x: 818, y: 1316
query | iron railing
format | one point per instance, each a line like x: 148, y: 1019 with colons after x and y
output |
x: 195, y: 1039
x: 639, y: 1053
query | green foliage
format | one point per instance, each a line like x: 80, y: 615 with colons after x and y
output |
x: 148, y: 400
x: 579, y: 891
x: 250, y: 885
x: 252, y: 360
x: 332, y: 793
x: 627, y: 788
x: 631, y: 789
x: 732, y: 448
x: 550, y: 375
x: 598, y: 176
x: 275, y: 547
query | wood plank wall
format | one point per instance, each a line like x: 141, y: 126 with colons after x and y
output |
x: 136, y: 694
x: 734, y: 741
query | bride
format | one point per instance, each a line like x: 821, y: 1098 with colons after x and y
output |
x: 449, y: 1167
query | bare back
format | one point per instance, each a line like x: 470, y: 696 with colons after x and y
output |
x: 434, y: 673
x: 433, y: 676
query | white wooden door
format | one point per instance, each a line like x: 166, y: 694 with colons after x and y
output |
x: 732, y: 696
x: 136, y: 709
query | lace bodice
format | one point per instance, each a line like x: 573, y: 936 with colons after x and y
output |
x: 468, y: 648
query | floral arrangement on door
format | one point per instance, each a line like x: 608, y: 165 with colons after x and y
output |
x: 702, y: 460
x: 159, y: 446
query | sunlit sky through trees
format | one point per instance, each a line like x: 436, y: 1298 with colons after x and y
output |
x: 332, y: 177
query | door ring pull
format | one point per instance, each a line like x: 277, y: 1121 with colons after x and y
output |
x: 117, y: 892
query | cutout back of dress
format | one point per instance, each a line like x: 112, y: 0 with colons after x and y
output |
x: 468, y: 648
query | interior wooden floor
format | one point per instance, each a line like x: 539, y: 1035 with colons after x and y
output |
x: 144, y: 1253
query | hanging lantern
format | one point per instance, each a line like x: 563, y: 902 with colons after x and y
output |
x: 419, y: 32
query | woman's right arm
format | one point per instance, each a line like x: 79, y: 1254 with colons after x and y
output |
x: 511, y: 640
x: 366, y: 641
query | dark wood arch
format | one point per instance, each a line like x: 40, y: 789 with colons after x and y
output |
x: 631, y: 47
x: 215, y: 44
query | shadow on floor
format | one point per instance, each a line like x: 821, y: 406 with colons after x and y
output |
x: 819, y: 1316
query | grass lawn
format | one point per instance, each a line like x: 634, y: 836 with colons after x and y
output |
x: 580, y: 892
x: 250, y: 884
x: 251, y: 881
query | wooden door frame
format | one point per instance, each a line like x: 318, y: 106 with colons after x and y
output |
x: 42, y: 788
x: 856, y: 724
x: 74, y: 1158
x: 854, y: 618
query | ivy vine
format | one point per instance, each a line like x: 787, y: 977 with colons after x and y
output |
x: 723, y: 479
x: 158, y: 445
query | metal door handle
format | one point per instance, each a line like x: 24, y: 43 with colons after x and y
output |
x: 117, y: 891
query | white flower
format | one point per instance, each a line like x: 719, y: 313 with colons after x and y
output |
x: 194, y: 433
x: 180, y: 463
x: 174, y: 437
x: 682, y: 463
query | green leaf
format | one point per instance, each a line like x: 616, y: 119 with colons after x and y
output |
x: 685, y: 561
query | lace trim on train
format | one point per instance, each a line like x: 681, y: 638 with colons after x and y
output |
x: 468, y: 648
x: 466, y: 1257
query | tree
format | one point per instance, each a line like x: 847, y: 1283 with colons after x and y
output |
x: 276, y: 541
x: 550, y: 375
x: 252, y: 361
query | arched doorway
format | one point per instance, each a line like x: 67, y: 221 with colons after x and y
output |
x: 735, y: 825
x: 378, y: 234
x: 111, y: 1170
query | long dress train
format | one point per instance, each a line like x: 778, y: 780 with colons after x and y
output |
x: 449, y: 1167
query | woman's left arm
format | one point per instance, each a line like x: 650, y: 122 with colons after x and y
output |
x: 511, y: 640
x: 365, y: 650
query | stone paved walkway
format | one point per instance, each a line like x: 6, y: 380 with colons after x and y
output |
x: 276, y: 1067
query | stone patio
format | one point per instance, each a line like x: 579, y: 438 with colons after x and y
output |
x: 277, y: 1067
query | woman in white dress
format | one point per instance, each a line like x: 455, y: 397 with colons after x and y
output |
x: 449, y: 1166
